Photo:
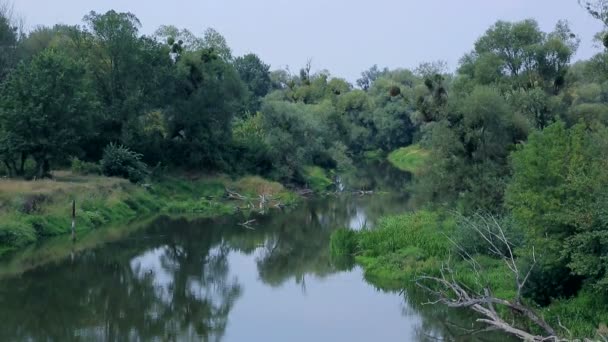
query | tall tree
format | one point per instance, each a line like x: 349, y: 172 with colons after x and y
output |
x: 255, y: 73
x: 208, y: 93
x: 46, y: 110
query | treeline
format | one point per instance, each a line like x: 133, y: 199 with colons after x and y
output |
x: 178, y: 100
x: 520, y: 132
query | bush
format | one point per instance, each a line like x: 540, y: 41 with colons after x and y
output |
x: 119, y: 161
x: 80, y: 167
x: 16, y: 233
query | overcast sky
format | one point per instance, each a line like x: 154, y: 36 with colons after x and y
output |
x: 343, y: 36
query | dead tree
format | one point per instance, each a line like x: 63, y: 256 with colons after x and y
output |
x: 453, y: 293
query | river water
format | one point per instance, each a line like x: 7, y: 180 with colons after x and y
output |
x: 214, y: 280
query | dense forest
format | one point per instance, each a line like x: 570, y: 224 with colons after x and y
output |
x: 517, y: 133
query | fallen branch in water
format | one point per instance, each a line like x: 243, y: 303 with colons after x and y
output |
x: 363, y: 192
x: 247, y: 224
x: 304, y: 192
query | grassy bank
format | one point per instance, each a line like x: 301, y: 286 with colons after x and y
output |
x: 410, y: 158
x: 32, y: 211
x: 317, y: 178
x: 402, y: 248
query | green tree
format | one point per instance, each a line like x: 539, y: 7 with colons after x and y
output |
x: 473, y: 143
x: 256, y: 76
x: 558, y: 193
x: 46, y: 109
x: 208, y: 94
x: 9, y: 39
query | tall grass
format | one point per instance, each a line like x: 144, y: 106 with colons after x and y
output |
x: 410, y: 159
x: 316, y: 178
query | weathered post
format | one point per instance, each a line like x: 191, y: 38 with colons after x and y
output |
x: 73, y: 220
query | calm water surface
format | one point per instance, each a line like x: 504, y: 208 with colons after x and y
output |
x: 213, y: 280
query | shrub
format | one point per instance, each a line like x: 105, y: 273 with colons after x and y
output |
x: 119, y: 161
x: 16, y: 233
x: 80, y: 167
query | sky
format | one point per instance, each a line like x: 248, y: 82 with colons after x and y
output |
x: 342, y: 36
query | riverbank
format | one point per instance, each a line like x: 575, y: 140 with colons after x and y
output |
x: 402, y: 248
x: 410, y: 159
x: 33, y: 211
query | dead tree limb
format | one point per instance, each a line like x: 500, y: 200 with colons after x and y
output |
x: 453, y: 293
x: 247, y: 224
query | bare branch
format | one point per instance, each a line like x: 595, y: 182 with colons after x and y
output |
x: 452, y: 293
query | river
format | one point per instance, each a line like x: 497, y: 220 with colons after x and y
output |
x: 214, y: 280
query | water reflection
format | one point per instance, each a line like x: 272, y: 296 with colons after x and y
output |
x: 213, y: 280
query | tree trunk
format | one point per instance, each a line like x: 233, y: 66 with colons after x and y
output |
x: 43, y: 168
x: 21, y: 170
x: 10, y: 170
x: 47, y: 168
x: 39, y: 169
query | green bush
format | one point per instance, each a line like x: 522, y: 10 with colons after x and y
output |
x: 80, y: 167
x: 16, y: 233
x: 119, y: 161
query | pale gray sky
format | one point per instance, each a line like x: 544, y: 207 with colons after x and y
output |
x: 343, y: 36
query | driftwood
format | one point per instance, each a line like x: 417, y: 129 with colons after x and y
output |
x: 235, y: 195
x: 247, y: 224
x: 452, y: 293
x: 304, y: 192
x: 264, y: 201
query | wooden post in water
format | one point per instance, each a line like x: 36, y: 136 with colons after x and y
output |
x: 73, y: 220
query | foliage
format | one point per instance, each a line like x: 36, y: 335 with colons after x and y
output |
x: 46, y: 111
x: 316, y: 178
x: 557, y: 191
x: 119, y: 161
x: 256, y: 76
x: 81, y: 167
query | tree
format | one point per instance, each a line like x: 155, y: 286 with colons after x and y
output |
x: 369, y: 76
x: 172, y: 35
x: 208, y: 94
x: 133, y: 76
x: 256, y: 76
x: 473, y: 142
x: 46, y: 110
x: 213, y: 40
x: 558, y: 191
x: 597, y: 8
x: 10, y: 35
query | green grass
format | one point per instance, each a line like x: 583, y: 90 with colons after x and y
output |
x: 410, y: 159
x: 343, y: 242
x: 317, y: 178
x: 32, y: 211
